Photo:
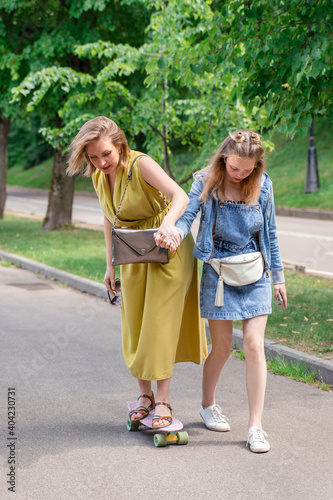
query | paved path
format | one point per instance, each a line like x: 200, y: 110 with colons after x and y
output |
x: 305, y: 242
x: 61, y: 350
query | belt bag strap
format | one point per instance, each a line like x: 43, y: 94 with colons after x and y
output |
x: 237, y: 270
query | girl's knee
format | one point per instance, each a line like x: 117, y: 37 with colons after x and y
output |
x: 221, y: 353
x: 254, y: 348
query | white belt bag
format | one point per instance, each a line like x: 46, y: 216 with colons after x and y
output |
x: 237, y: 270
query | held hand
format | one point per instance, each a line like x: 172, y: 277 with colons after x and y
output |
x: 110, y: 280
x: 280, y: 294
x: 168, y: 237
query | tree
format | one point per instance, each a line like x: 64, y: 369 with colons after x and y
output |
x: 275, y: 55
x: 147, y: 98
x: 19, y: 24
x: 46, y: 88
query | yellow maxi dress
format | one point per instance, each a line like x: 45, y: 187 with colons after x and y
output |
x: 160, y: 313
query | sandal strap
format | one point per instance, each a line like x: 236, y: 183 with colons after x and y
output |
x: 164, y: 404
x: 140, y: 409
x: 161, y: 417
x: 151, y: 398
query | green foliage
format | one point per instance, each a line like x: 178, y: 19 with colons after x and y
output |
x: 163, y: 110
x: 37, y: 49
x: 25, y: 147
x: 181, y: 73
x: 41, y: 82
x: 275, y: 56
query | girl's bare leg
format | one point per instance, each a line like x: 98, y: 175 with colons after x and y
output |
x: 221, y: 335
x: 256, y: 369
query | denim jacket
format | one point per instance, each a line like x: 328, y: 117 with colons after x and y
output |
x: 204, y: 246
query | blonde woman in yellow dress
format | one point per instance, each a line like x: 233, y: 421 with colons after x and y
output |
x: 160, y: 314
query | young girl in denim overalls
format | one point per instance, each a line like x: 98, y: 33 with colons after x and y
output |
x: 235, y: 198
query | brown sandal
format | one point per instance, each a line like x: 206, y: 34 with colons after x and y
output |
x: 156, y: 418
x: 142, y: 409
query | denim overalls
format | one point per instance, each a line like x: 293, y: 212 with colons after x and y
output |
x: 235, y: 233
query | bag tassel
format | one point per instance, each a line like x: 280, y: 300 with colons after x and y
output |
x: 219, y: 290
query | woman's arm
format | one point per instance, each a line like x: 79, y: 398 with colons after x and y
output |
x: 154, y: 175
x: 110, y: 274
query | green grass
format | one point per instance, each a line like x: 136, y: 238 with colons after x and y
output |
x: 286, y: 166
x: 40, y: 177
x: 296, y: 371
x: 307, y: 323
x: 287, y: 169
x: 36, y: 177
x: 78, y: 251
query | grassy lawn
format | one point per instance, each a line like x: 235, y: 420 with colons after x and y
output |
x: 80, y: 251
x: 287, y: 168
x: 306, y: 325
x: 40, y: 177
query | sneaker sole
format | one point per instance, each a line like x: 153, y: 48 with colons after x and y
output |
x: 214, y: 428
x: 260, y: 451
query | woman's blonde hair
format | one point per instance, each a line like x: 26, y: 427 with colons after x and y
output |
x: 244, y: 144
x: 91, y: 131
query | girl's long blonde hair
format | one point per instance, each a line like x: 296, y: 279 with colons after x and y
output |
x: 93, y: 130
x: 244, y: 144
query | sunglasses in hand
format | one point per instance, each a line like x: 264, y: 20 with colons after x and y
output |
x: 115, y: 300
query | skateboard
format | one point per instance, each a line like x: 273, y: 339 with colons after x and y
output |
x: 164, y: 436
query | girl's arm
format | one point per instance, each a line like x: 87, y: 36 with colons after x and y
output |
x: 280, y: 292
x: 185, y: 222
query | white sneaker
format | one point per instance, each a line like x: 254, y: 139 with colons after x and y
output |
x: 256, y: 440
x: 214, y: 419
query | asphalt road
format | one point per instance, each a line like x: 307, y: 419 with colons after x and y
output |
x: 305, y: 242
x: 61, y: 353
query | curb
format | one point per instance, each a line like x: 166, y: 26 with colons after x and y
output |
x: 82, y: 284
x: 304, y: 213
x: 294, y: 266
x: 322, y: 367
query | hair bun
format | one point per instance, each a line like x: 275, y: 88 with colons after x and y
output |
x: 255, y: 138
x: 248, y: 136
x: 237, y: 136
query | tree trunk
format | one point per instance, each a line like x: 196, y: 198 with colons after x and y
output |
x: 164, y: 138
x: 59, y: 210
x: 4, y: 131
x: 166, y: 153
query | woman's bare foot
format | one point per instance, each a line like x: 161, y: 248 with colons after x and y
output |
x: 146, y: 403
x: 161, y: 410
